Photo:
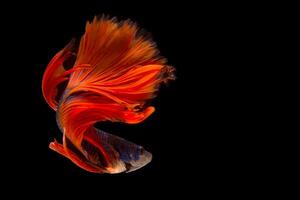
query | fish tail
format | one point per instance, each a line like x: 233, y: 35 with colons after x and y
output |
x: 117, y: 71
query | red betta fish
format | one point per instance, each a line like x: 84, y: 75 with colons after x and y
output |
x: 116, y: 70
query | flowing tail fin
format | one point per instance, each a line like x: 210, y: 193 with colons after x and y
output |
x: 116, y: 72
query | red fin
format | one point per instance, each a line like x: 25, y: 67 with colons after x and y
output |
x: 116, y: 72
x: 55, y: 74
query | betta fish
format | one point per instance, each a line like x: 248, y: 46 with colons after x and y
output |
x: 111, y: 74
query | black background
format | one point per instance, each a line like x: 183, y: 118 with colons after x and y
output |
x: 193, y: 133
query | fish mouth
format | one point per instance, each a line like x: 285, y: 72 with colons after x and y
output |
x: 143, y: 160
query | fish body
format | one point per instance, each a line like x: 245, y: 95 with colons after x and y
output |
x: 115, y: 72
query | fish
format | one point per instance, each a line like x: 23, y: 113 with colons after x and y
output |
x: 110, y: 74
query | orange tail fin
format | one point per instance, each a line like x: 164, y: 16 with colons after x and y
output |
x: 117, y: 70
